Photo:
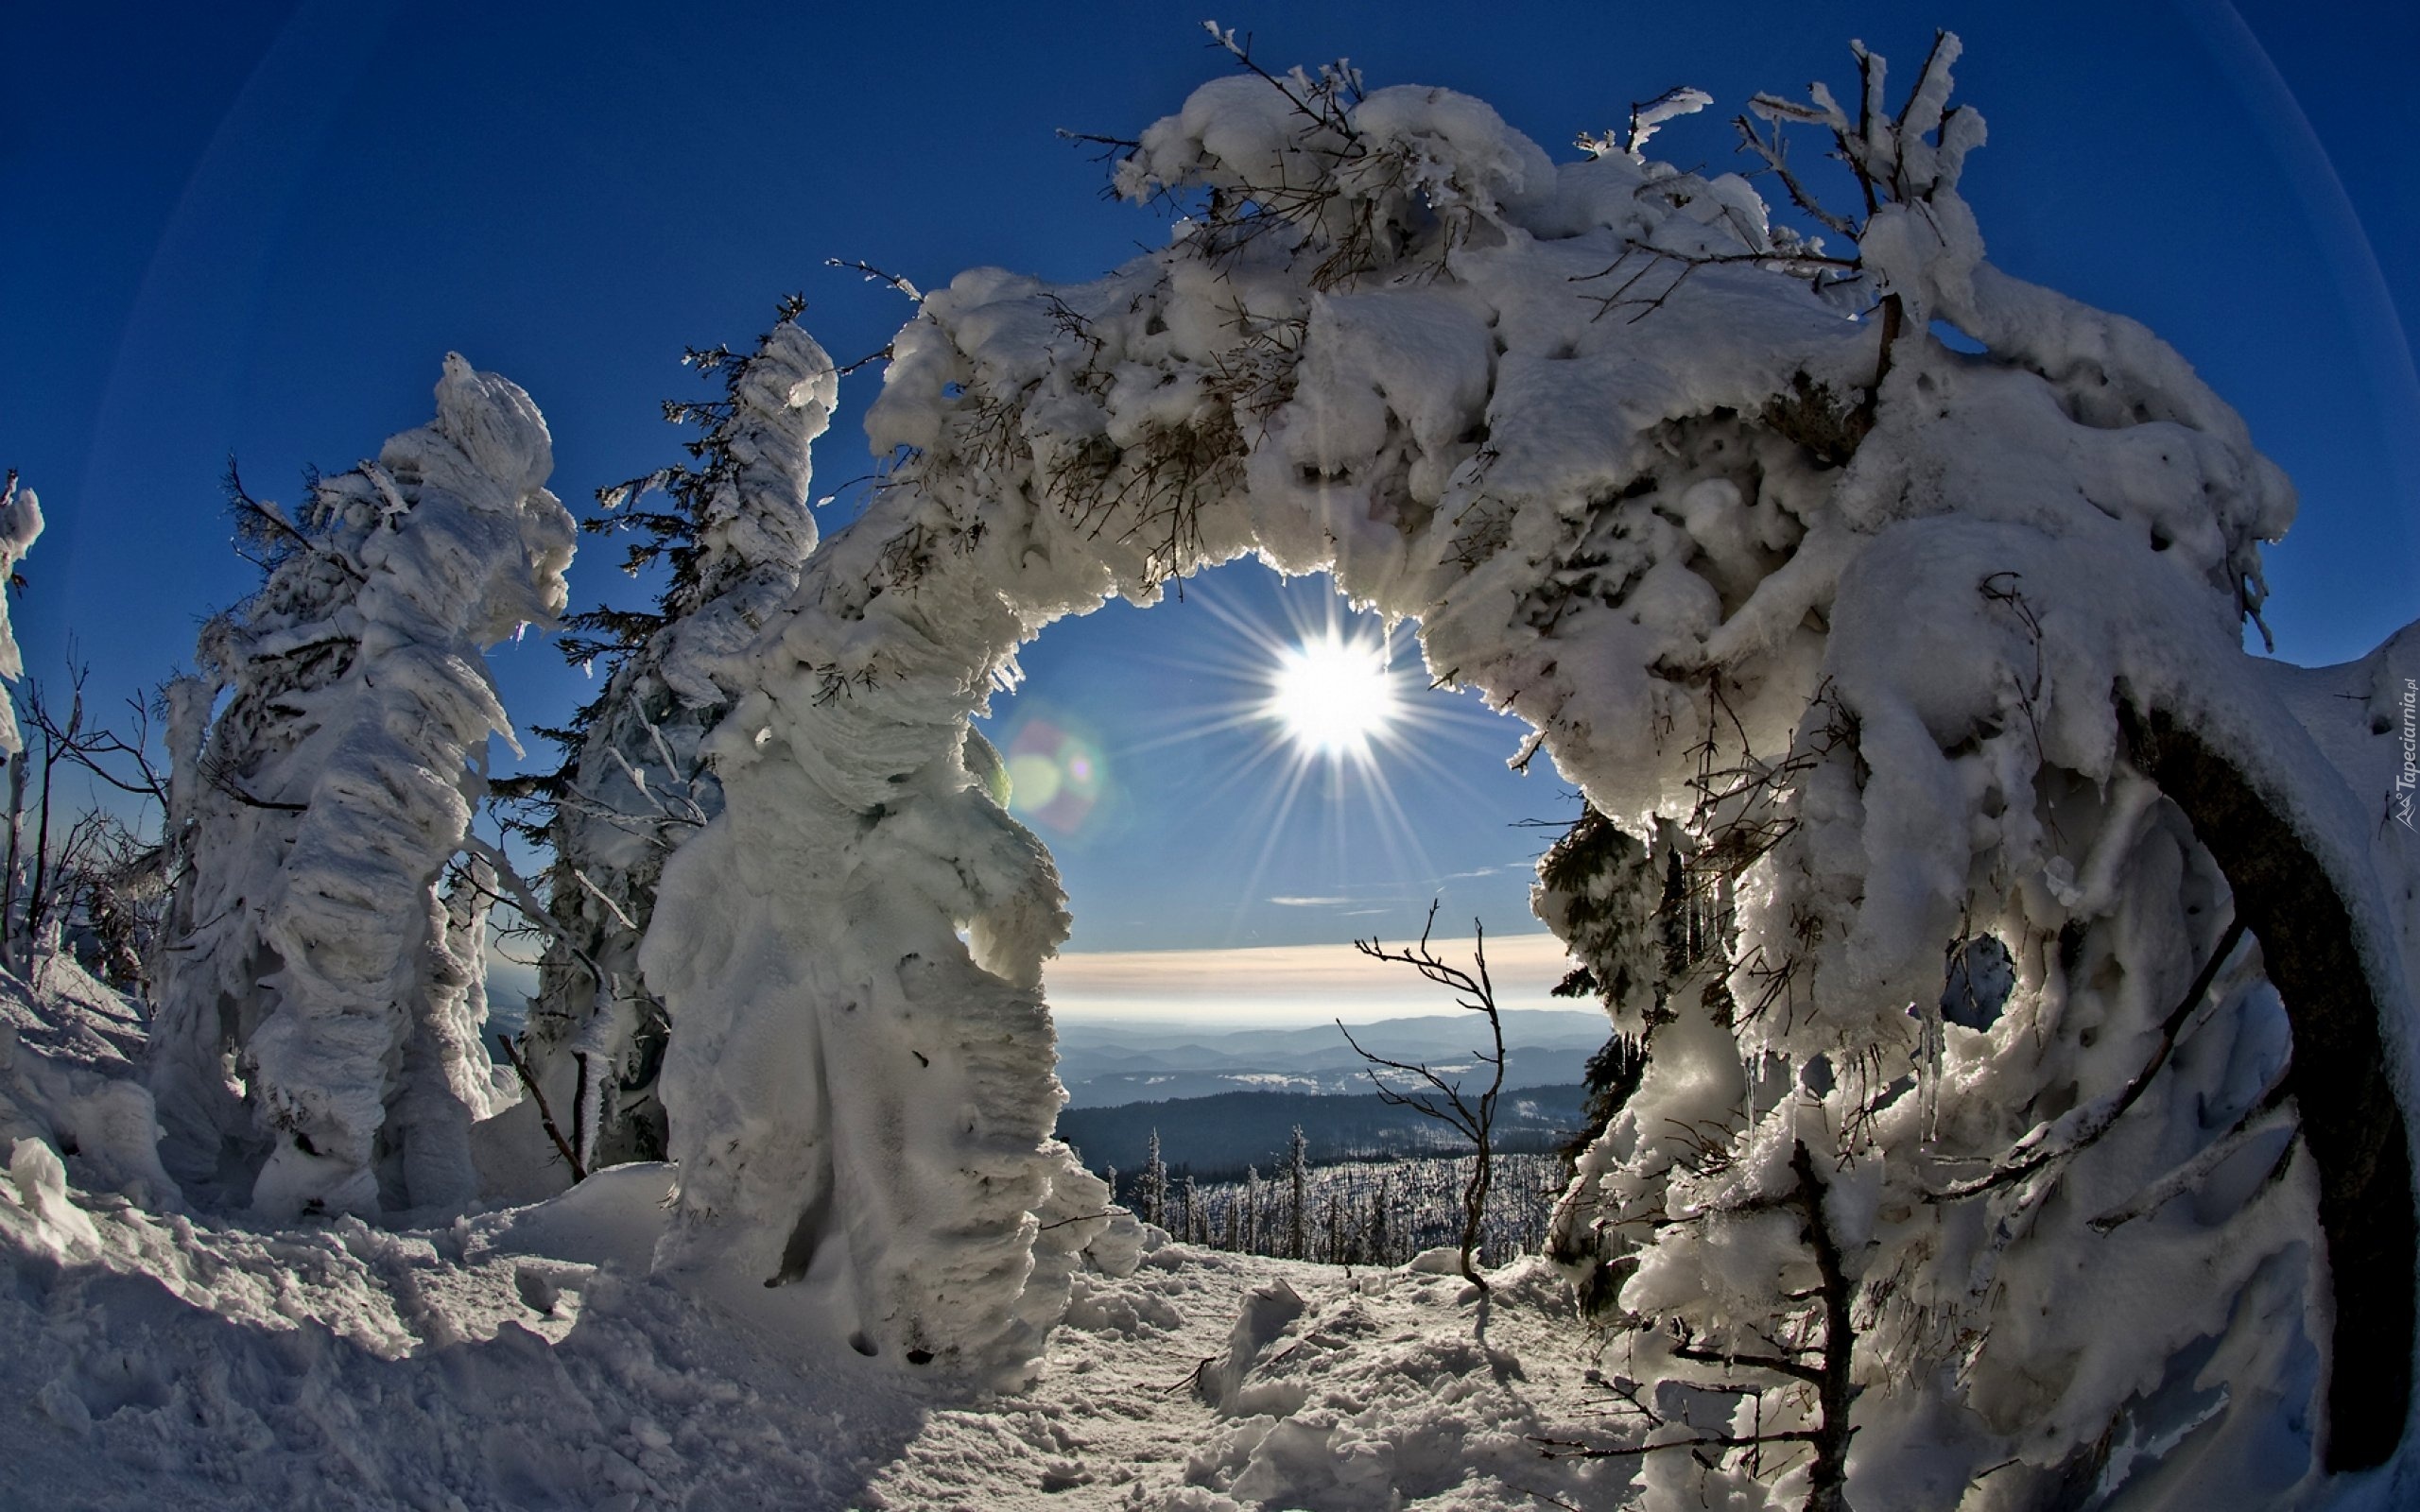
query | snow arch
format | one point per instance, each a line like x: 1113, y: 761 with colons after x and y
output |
x: 1887, y: 645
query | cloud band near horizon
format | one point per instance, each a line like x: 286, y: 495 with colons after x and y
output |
x: 1273, y: 984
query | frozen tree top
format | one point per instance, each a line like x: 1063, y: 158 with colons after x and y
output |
x: 20, y: 526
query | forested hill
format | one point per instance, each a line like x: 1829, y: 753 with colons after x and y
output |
x: 1218, y: 1136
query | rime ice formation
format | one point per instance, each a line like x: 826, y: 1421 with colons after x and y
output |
x: 317, y: 1047
x: 20, y: 527
x: 638, y: 784
x: 1893, y: 649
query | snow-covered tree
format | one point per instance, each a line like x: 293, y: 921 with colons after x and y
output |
x: 1150, y: 1195
x: 317, y: 1042
x: 20, y: 527
x: 1298, y: 1185
x: 729, y: 528
x: 1891, y: 646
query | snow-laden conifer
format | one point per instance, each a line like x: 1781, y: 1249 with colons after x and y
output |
x: 1149, y: 1195
x: 20, y: 526
x: 317, y: 1042
x: 729, y: 528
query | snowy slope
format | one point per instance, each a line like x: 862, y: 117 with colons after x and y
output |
x: 522, y: 1359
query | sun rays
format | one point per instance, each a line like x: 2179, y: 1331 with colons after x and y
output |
x: 1323, y: 720
x: 1333, y: 693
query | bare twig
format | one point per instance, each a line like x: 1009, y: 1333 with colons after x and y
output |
x: 876, y: 275
x: 2264, y: 1117
x: 2085, y: 1125
x: 524, y: 898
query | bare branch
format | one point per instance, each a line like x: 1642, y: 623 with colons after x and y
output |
x: 524, y: 898
x: 2084, y: 1127
x: 546, y: 1114
x: 1476, y: 1121
x: 876, y: 275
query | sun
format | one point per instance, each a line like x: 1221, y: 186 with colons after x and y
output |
x: 1309, y: 712
x: 1332, y: 694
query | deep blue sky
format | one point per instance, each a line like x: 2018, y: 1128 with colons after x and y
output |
x: 256, y: 228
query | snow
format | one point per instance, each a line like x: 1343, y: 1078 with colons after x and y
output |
x: 1865, y: 641
x: 1655, y: 518
x: 68, y: 1108
x: 524, y: 1358
x: 793, y: 939
x: 1644, y: 478
x: 20, y: 526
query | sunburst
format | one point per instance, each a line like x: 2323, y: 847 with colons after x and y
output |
x: 1333, y: 693
x: 1329, y: 710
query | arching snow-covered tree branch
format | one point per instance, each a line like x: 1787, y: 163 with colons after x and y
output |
x: 1859, y: 631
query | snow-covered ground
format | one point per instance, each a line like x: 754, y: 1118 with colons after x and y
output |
x: 523, y: 1358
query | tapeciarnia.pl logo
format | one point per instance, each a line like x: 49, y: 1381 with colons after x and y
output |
x: 2408, y: 778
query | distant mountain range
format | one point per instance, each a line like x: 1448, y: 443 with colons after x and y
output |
x: 1216, y: 1138
x: 1108, y: 1064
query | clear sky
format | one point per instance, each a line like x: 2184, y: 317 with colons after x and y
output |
x: 256, y: 228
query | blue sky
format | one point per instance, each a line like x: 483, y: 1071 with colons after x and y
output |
x: 255, y: 229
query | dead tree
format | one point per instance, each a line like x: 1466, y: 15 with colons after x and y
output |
x: 1474, y: 1119
x: 1298, y: 1177
x: 101, y: 872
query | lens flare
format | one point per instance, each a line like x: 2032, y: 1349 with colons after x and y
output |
x: 1054, y: 776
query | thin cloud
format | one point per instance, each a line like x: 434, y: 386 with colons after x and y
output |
x: 1289, y: 984
x: 1311, y: 902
